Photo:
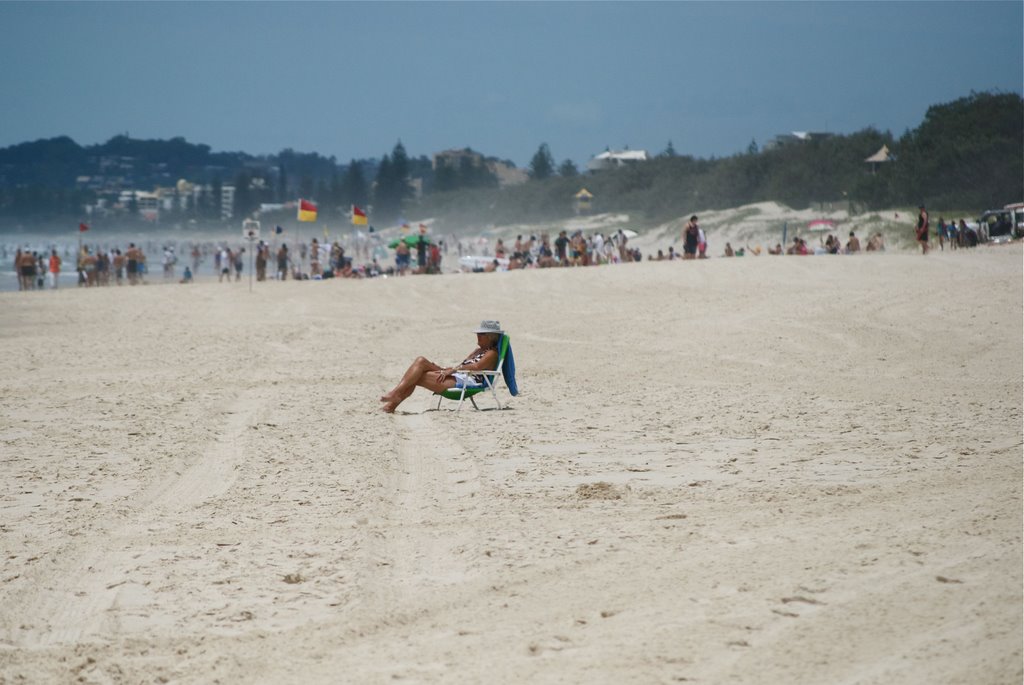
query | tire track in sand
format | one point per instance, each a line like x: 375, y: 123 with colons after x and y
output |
x: 79, y: 594
x: 422, y: 555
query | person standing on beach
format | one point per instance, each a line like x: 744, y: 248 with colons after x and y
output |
x: 169, y: 260
x: 25, y: 265
x: 118, y: 266
x: 561, y: 244
x: 261, y: 261
x: 132, y: 255
x: 922, y: 229
x: 691, y: 237
x: 225, y: 264
x: 282, y: 262
x: 55, y: 263
x: 17, y: 269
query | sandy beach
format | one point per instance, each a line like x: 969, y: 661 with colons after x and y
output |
x: 759, y: 470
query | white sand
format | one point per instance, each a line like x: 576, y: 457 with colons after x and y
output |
x: 758, y: 470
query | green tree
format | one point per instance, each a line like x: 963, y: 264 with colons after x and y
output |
x: 323, y: 193
x: 382, y: 198
x: 670, y: 151
x: 354, y: 190
x: 966, y: 153
x: 282, y: 184
x: 392, y: 187
x: 567, y: 169
x: 752, y: 148
x: 542, y: 165
x: 306, y: 187
x: 400, y: 172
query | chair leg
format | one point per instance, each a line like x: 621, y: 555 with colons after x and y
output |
x: 474, y: 403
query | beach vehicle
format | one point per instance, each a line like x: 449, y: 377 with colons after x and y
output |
x: 1002, y: 225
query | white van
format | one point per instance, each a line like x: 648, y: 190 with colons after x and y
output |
x: 1002, y: 225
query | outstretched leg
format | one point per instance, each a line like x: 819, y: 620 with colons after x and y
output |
x: 420, y: 373
x: 419, y: 366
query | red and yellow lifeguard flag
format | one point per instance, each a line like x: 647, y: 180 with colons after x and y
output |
x: 358, y: 216
x: 307, y: 211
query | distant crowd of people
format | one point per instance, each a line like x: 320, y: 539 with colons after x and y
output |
x: 420, y: 254
x: 95, y: 267
x: 955, y: 235
x: 565, y: 250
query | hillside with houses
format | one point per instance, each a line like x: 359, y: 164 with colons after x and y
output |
x: 967, y: 154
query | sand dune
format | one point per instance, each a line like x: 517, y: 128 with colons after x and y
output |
x: 767, y: 470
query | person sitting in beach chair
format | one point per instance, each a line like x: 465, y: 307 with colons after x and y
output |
x: 472, y: 375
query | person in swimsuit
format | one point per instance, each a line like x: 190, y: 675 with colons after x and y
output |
x: 691, y: 238
x: 922, y: 230
x: 133, y: 263
x: 425, y: 373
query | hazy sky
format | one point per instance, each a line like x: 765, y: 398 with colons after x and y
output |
x: 350, y: 79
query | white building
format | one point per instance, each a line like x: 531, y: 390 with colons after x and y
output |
x: 613, y: 159
x: 227, y: 202
x: 794, y: 137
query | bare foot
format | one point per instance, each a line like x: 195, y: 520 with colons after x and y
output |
x: 389, y: 407
x: 388, y: 397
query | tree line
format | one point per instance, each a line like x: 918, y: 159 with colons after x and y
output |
x: 967, y: 154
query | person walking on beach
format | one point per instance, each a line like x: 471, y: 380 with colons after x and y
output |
x: 169, y: 261
x: 922, y: 229
x: 225, y: 264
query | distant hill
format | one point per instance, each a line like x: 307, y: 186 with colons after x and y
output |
x: 966, y: 154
